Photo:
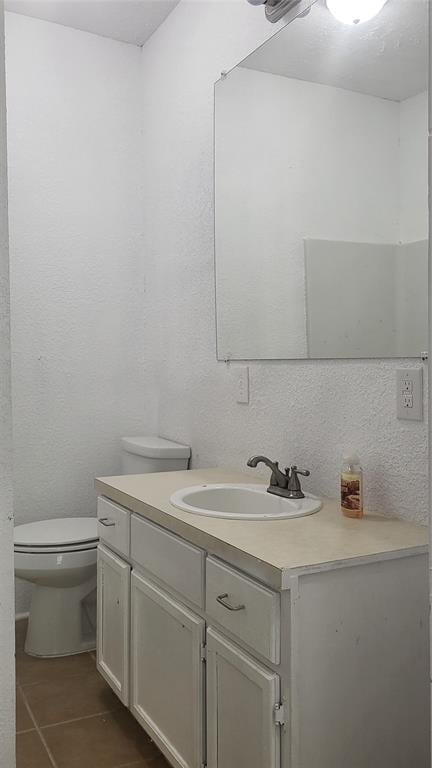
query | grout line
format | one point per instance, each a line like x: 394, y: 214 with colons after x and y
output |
x: 76, y: 719
x: 47, y: 680
x: 25, y: 730
x: 40, y: 734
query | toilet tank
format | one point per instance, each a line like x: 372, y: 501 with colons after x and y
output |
x: 150, y: 453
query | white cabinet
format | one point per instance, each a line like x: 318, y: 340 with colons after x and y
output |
x: 167, y: 673
x: 113, y: 621
x: 242, y: 707
x: 340, y: 648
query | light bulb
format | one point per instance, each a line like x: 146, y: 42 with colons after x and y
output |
x: 355, y: 11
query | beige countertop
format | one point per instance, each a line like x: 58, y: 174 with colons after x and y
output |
x: 274, y: 550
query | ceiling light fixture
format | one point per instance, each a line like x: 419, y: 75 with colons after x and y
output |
x: 355, y: 11
x: 276, y: 9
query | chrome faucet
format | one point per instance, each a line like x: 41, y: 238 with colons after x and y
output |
x: 278, y: 480
x: 282, y: 483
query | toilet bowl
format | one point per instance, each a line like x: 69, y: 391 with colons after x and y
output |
x: 59, y: 558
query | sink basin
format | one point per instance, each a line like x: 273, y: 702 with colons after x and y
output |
x: 242, y: 502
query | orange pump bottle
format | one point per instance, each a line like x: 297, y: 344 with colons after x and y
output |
x: 352, y: 487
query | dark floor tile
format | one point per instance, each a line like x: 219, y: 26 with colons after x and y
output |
x: 107, y: 741
x: 140, y: 764
x: 56, y: 701
x: 23, y: 719
x: 30, y: 669
x: 31, y: 752
x: 157, y: 761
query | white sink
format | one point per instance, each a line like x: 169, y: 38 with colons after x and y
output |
x: 242, y: 502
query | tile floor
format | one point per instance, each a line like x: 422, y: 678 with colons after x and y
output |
x: 67, y: 717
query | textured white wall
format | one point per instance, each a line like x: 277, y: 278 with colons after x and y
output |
x: 308, y: 411
x: 78, y: 292
x: 7, y: 665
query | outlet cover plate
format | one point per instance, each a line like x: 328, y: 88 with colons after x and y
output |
x: 409, y: 394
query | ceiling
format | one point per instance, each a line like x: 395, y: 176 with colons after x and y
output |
x: 385, y: 57
x: 131, y: 21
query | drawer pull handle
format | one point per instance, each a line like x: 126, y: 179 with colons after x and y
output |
x: 106, y: 522
x: 222, y: 600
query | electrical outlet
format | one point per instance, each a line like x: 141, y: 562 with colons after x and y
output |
x: 408, y: 401
x: 242, y: 378
x: 409, y: 394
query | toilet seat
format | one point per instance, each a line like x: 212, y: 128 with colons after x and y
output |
x: 52, y: 550
x: 57, y: 536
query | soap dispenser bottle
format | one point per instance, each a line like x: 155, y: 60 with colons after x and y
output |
x: 352, y: 487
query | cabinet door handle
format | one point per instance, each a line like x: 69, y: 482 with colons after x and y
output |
x: 222, y: 599
x: 106, y: 522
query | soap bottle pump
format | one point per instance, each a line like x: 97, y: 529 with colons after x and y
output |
x: 352, y: 487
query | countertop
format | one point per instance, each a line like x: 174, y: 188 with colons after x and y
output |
x: 272, y: 551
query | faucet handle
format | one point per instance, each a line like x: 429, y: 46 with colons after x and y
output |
x: 294, y: 487
x: 304, y: 472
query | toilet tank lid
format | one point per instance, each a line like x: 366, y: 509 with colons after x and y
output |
x: 153, y: 447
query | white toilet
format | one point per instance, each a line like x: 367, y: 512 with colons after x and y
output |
x: 59, y: 558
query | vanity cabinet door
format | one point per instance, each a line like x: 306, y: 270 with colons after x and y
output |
x: 167, y: 678
x: 113, y: 587
x: 242, y: 697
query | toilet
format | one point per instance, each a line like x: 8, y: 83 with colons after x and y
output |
x: 59, y: 558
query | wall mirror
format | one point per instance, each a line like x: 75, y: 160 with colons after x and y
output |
x: 321, y: 166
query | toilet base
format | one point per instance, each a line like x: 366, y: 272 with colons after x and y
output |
x: 59, y: 621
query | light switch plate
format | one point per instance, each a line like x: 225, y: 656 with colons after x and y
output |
x: 409, y: 394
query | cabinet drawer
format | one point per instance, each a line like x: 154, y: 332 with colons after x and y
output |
x: 244, y: 607
x: 113, y: 525
x: 170, y: 559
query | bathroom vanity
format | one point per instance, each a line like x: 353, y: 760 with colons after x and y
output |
x: 297, y: 643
